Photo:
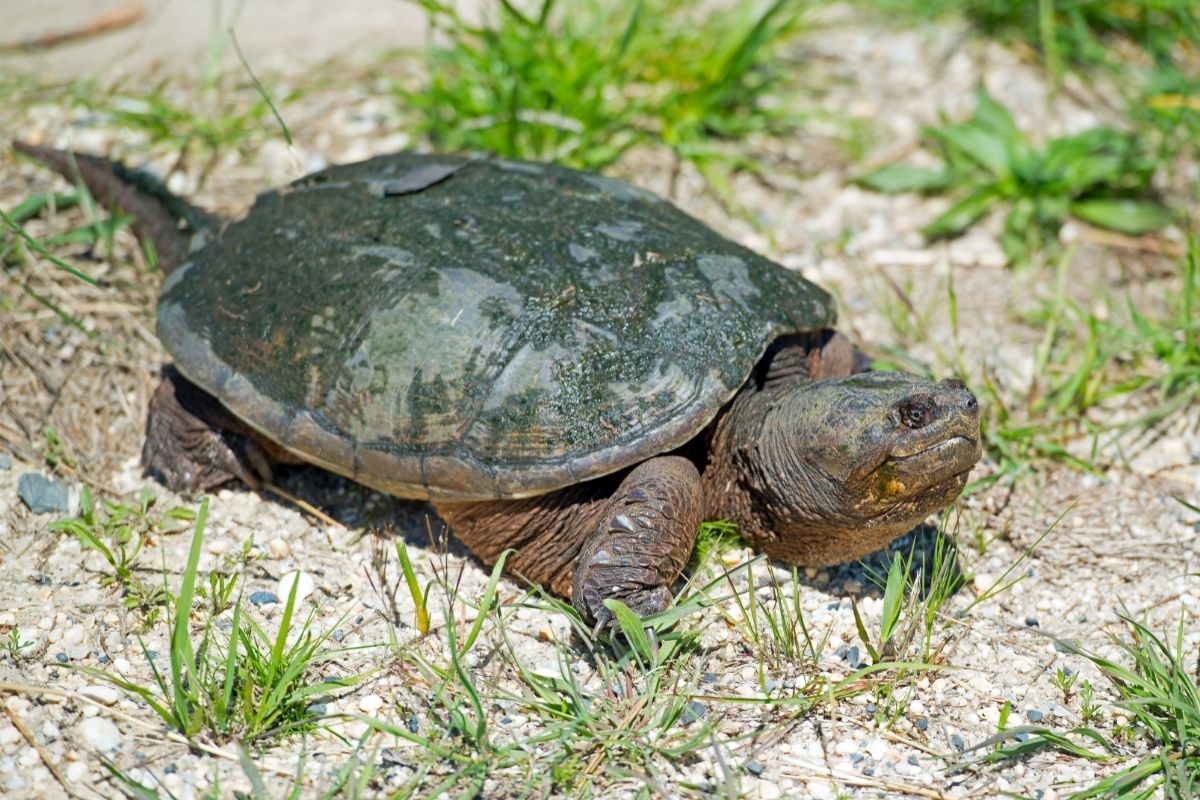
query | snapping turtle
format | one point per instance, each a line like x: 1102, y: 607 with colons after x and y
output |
x: 564, y: 364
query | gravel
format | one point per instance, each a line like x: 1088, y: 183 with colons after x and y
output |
x: 1125, y: 539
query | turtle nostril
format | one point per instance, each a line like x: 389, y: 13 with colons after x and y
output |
x: 972, y: 405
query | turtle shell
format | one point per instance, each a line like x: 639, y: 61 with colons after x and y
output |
x: 454, y: 328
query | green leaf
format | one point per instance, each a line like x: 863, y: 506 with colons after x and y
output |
x: 962, y: 214
x: 893, y: 594
x: 631, y: 625
x: 901, y: 178
x: 863, y: 636
x: 994, y: 117
x: 1133, y: 217
x: 985, y: 147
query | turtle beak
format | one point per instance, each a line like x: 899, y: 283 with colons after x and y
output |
x: 937, y: 441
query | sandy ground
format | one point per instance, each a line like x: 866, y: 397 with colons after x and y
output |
x: 1123, y: 543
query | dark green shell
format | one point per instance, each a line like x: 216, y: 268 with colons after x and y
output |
x: 437, y: 326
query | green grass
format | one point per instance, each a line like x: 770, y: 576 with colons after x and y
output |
x: 1156, y: 686
x: 118, y: 532
x: 580, y: 83
x: 916, y: 587
x: 240, y: 683
x: 1148, y: 49
x: 1100, y: 176
x: 1109, y: 370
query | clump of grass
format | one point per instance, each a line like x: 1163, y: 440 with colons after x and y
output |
x: 14, y: 644
x: 118, y: 532
x: 245, y: 684
x: 1159, y: 692
x: 916, y: 587
x: 1100, y: 176
x: 581, y: 83
x: 1166, y: 348
x: 1091, y: 359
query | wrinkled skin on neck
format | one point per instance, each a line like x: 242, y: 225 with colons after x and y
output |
x: 825, y: 471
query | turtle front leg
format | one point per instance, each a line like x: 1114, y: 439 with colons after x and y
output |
x: 646, y: 532
x: 194, y: 444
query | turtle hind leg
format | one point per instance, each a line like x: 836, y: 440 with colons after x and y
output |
x: 193, y: 444
x: 642, y: 543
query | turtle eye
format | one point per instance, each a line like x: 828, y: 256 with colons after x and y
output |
x: 917, y: 411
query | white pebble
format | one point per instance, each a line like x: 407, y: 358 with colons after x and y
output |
x: 304, y: 586
x: 77, y: 771
x: 370, y: 704
x: 9, y: 735
x: 279, y: 547
x: 768, y: 790
x: 100, y: 734
x: 101, y: 694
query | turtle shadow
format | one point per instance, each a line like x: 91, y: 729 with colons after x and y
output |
x: 927, y: 555
x: 357, y: 507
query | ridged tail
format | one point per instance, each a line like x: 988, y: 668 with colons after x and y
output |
x: 157, y: 213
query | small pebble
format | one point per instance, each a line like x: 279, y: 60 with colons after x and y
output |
x: 261, y: 598
x: 279, y: 547
x: 709, y: 677
x: 754, y: 768
x: 957, y: 742
x: 692, y: 712
x: 62, y: 658
x: 1064, y: 646
x: 77, y: 771
x: 1033, y: 715
x: 304, y: 585
x: 100, y: 734
x: 1031, y: 622
x: 370, y: 704
x: 5, y: 461
x: 106, y: 695
x: 413, y: 724
x: 923, y: 724
x: 42, y: 495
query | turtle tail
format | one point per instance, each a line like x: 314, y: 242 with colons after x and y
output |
x: 161, y: 218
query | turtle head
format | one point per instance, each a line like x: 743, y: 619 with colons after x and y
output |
x: 845, y: 465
